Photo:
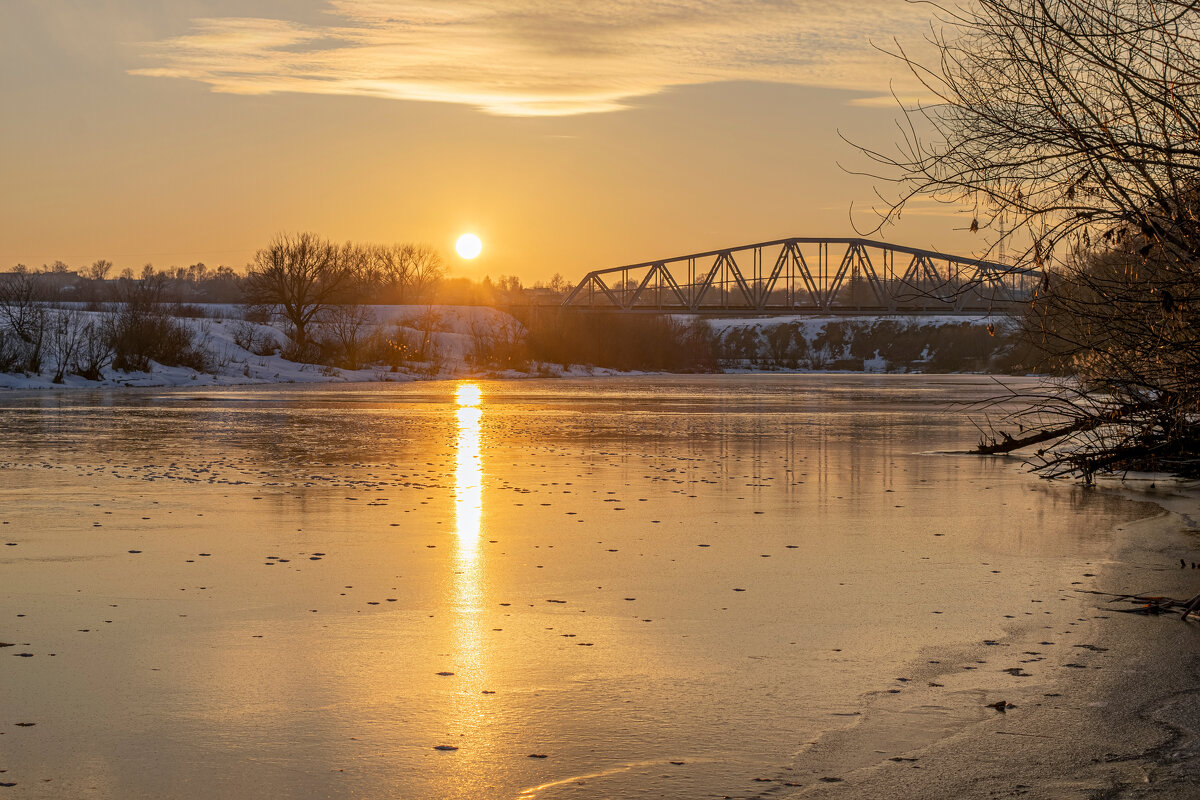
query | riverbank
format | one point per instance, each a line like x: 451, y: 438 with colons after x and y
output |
x: 1098, y: 703
x: 400, y: 344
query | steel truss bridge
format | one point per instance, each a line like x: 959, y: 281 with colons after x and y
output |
x: 808, y: 275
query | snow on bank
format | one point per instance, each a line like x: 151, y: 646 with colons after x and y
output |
x: 453, y: 333
x: 249, y: 353
x: 867, y: 343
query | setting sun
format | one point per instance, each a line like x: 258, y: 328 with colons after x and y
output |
x: 468, y: 246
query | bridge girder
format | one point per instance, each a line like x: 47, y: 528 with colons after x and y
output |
x: 806, y: 275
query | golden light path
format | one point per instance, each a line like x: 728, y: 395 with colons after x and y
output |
x: 468, y: 582
x: 468, y: 710
x: 468, y: 469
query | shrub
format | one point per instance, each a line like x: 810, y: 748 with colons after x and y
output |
x: 257, y: 339
x: 618, y: 340
x: 142, y: 331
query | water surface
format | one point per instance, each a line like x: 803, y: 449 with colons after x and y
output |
x: 255, y: 592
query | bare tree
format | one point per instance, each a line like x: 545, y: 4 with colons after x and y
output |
x: 392, y: 271
x: 426, y: 270
x: 95, y: 350
x: 24, y: 315
x: 142, y: 330
x: 559, y: 284
x: 1071, y: 128
x: 67, y: 333
x: 347, y: 324
x: 1067, y: 120
x: 498, y: 341
x: 99, y: 270
x: 301, y: 274
x: 426, y: 323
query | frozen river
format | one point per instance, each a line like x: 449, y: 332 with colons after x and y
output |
x: 634, y: 588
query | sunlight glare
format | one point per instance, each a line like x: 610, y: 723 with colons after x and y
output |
x: 468, y: 472
x: 469, y: 246
x: 468, y: 394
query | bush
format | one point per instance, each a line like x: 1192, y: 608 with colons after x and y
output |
x: 619, y: 340
x: 95, y: 351
x: 142, y: 331
x: 257, y: 339
x: 499, y: 343
x: 188, y: 311
x: 261, y: 314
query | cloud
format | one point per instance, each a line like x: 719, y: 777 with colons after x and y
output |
x: 542, y: 57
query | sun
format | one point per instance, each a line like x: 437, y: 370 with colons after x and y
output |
x: 468, y: 246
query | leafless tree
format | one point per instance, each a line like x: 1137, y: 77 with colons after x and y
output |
x: 99, y: 270
x: 347, y: 324
x: 95, y: 351
x: 392, y: 271
x: 143, y: 331
x: 67, y: 332
x: 426, y: 323
x: 301, y: 274
x: 25, y: 316
x: 401, y: 273
x: 1068, y: 120
x: 498, y: 341
x: 1071, y: 129
x: 426, y: 271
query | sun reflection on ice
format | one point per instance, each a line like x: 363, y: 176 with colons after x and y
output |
x: 468, y: 469
x: 468, y: 515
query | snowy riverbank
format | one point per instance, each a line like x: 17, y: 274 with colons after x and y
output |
x: 438, y: 342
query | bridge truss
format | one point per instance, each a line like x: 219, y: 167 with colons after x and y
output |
x: 808, y: 275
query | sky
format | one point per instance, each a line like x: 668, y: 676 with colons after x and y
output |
x: 569, y: 136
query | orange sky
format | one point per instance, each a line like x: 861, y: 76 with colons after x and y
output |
x: 568, y: 136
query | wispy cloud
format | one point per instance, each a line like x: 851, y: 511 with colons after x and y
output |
x: 542, y: 57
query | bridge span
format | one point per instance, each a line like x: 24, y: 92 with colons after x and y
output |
x: 809, y: 275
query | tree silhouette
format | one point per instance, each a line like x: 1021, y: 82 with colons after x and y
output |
x: 301, y: 275
x: 1071, y: 128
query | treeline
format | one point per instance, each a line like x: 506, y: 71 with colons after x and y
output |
x: 398, y: 274
x: 95, y: 284
x: 140, y: 326
x: 617, y: 340
x: 316, y: 293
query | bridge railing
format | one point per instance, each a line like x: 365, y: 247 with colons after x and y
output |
x: 808, y: 274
